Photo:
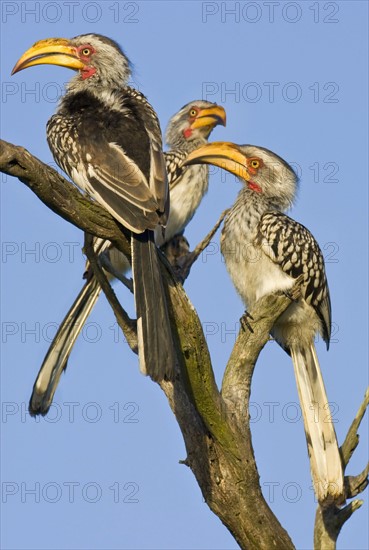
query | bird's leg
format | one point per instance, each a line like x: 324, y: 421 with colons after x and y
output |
x: 244, y: 321
x: 108, y: 266
x: 176, y: 251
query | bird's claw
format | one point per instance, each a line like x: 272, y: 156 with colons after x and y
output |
x: 186, y: 263
x: 177, y: 252
x: 244, y: 321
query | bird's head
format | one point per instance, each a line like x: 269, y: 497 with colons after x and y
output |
x: 194, y: 123
x: 98, y: 59
x: 261, y: 170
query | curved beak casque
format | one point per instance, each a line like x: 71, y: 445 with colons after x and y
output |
x: 51, y: 51
x: 224, y: 154
x: 210, y: 117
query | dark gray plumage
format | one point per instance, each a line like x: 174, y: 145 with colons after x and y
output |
x: 185, y: 131
x: 107, y: 138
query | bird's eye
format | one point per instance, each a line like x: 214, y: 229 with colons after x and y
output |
x: 254, y: 163
x: 86, y: 51
x: 193, y: 112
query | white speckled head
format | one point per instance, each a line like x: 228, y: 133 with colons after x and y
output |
x: 193, y: 123
x: 109, y: 65
x: 261, y: 170
x: 276, y: 178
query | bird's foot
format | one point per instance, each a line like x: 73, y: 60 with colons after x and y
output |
x: 177, y: 252
x: 188, y: 258
x: 185, y: 265
x: 244, y: 321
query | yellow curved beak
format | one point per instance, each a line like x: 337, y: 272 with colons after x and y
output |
x: 210, y: 117
x: 51, y: 51
x: 224, y: 154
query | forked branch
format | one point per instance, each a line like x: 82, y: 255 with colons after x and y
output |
x: 215, y: 425
x: 329, y: 521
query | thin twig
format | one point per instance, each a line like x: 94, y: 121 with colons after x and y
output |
x: 355, y: 485
x: 191, y: 258
x: 108, y: 266
x: 127, y: 325
x: 352, y: 438
x: 329, y: 521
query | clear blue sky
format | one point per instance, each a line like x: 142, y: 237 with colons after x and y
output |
x: 292, y: 77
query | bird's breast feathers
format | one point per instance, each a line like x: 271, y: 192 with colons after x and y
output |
x: 252, y: 271
x: 253, y: 274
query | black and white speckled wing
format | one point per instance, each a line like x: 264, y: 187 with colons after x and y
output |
x: 111, y: 148
x: 158, y: 176
x: 293, y: 247
x: 173, y: 162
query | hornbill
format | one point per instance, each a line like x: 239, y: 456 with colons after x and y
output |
x: 186, y: 130
x: 107, y: 138
x: 266, y: 251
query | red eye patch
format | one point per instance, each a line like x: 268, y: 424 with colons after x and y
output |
x: 253, y: 165
x: 85, y: 51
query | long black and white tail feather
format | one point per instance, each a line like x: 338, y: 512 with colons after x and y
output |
x: 57, y: 356
x: 325, y: 460
x: 155, y: 345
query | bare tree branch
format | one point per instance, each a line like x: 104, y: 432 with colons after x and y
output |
x: 357, y: 484
x: 61, y: 196
x: 215, y: 425
x: 238, y: 374
x: 219, y: 452
x: 352, y: 437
